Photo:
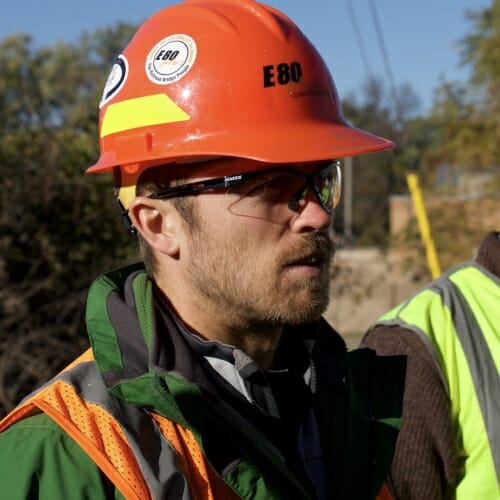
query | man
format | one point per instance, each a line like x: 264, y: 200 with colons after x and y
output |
x: 211, y: 373
x: 449, y: 445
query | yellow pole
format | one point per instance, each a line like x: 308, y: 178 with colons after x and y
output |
x: 423, y: 224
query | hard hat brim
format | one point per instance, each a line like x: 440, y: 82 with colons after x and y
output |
x: 282, y: 143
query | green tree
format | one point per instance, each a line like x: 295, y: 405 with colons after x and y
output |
x: 466, y: 114
x: 465, y: 133
x: 58, y: 227
x: 377, y: 176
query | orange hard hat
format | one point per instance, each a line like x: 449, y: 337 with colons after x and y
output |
x: 214, y: 78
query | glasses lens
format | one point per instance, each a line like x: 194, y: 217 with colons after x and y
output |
x: 265, y: 196
x: 270, y: 196
x: 327, y: 185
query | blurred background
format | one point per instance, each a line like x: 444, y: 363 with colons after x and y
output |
x: 425, y: 75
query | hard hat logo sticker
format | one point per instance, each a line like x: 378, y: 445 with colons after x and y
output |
x: 170, y: 59
x: 116, y: 79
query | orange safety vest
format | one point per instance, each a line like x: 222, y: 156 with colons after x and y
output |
x: 102, y: 438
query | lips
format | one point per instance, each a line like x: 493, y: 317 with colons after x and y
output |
x: 314, y: 253
x: 311, y: 260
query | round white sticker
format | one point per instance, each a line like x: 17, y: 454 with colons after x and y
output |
x: 169, y: 60
x: 116, y: 79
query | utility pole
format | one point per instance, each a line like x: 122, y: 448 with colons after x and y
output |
x: 348, y: 200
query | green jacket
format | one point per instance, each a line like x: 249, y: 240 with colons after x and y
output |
x: 355, y: 407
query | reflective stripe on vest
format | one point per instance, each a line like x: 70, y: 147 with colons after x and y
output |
x: 464, y: 339
x: 137, y: 470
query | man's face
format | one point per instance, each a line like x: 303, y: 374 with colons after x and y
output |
x: 254, y: 259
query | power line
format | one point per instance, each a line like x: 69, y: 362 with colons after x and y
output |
x: 385, y: 57
x: 359, y: 38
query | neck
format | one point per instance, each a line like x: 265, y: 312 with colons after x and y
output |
x: 258, y: 341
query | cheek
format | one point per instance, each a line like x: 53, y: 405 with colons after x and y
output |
x: 248, y: 233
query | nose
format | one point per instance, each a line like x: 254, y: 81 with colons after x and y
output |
x: 311, y: 216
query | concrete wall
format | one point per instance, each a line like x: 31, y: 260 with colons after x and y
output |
x: 363, y: 287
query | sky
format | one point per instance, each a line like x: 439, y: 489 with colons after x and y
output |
x: 412, y: 42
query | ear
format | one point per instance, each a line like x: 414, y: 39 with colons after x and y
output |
x: 157, y: 222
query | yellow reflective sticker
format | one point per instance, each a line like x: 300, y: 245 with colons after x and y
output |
x: 126, y: 194
x: 141, y: 112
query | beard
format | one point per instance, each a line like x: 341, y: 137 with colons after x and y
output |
x: 255, y: 289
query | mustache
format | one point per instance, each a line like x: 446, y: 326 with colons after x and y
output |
x: 317, y: 246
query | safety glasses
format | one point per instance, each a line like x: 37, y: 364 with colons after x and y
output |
x: 271, y: 186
